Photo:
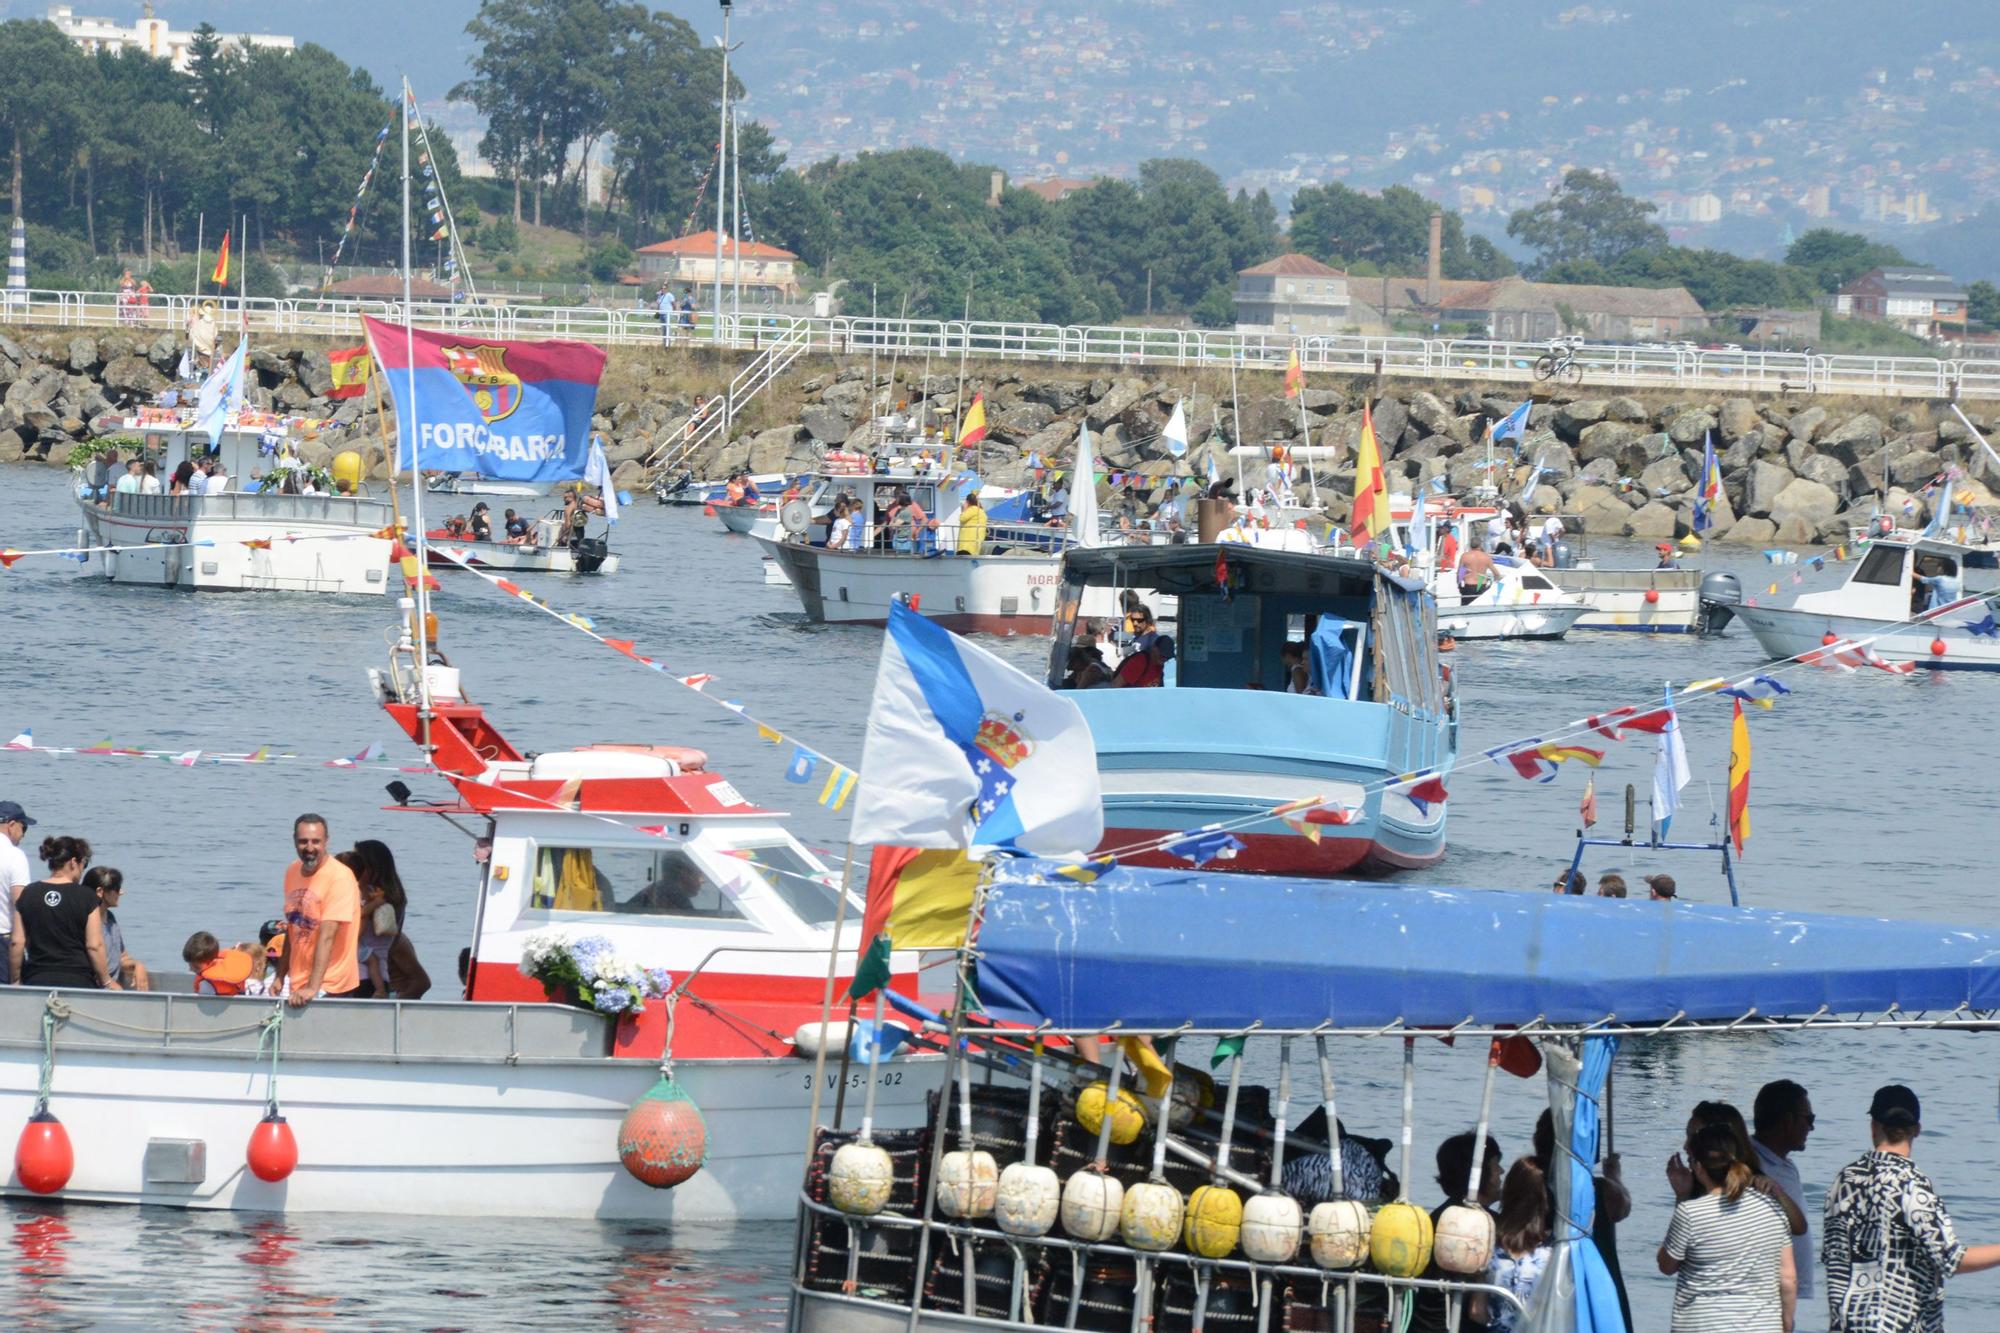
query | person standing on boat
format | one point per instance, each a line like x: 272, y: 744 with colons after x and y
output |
x: 322, y: 905
x: 1727, y: 1248
x: 1936, y: 574
x: 58, y: 927
x: 14, y: 875
x: 1890, y: 1245
x: 108, y: 884
x: 1783, y: 1117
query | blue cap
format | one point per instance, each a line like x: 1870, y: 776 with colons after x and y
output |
x: 12, y: 813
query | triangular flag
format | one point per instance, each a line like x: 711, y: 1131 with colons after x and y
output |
x: 24, y: 741
x: 765, y: 733
x: 695, y: 682
x: 8, y: 557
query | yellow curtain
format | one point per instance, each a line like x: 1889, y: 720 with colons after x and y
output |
x: 576, y: 890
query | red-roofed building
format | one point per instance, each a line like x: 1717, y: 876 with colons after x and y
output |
x: 690, y: 262
x: 1056, y: 188
x: 1291, y: 295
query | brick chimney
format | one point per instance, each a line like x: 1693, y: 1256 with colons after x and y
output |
x: 1434, y: 271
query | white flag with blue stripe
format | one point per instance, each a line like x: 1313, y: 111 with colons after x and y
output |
x: 965, y: 751
x: 221, y: 394
x: 1514, y: 424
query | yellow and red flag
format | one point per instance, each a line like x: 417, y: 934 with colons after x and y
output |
x: 973, y: 429
x: 1294, y: 375
x: 1370, y: 517
x: 221, y: 274
x: 1739, y: 779
x: 918, y: 898
x: 351, y: 367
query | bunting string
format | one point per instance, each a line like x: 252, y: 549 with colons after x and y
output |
x: 807, y: 764
x: 354, y: 209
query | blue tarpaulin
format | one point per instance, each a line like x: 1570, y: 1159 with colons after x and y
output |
x: 1157, y: 948
x: 1332, y: 662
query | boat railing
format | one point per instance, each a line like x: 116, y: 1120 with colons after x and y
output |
x: 1340, y: 1291
x: 352, y: 510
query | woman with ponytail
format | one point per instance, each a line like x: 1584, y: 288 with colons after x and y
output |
x: 59, y: 925
x: 1729, y: 1248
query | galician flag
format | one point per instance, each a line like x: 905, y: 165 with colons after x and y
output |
x: 1670, y: 768
x: 597, y: 472
x: 221, y: 394
x: 973, y: 429
x: 963, y: 753
x: 1370, y: 518
x: 1176, y: 432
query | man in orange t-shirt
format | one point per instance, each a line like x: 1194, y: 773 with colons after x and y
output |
x: 322, y: 918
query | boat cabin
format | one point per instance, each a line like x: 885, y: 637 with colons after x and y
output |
x: 1888, y: 581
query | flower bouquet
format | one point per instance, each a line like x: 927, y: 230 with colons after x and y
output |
x: 586, y: 971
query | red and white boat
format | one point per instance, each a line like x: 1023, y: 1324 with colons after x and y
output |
x: 500, y: 1102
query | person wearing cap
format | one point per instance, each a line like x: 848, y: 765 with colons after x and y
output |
x: 1662, y: 888
x: 14, y: 872
x: 1890, y: 1244
x: 1667, y: 557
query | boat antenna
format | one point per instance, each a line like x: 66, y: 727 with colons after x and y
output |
x: 422, y: 626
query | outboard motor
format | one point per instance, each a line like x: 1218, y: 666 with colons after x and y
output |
x: 1720, y: 595
x: 1565, y: 557
x: 590, y: 554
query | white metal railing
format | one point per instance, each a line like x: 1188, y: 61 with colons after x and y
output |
x: 787, y: 346
x: 1470, y: 360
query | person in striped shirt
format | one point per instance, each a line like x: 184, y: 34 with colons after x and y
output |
x: 1728, y: 1248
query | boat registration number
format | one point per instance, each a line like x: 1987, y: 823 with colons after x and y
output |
x: 892, y: 1078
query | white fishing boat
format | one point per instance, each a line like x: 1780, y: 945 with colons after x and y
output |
x: 1884, y: 601
x: 1518, y: 603
x: 543, y: 552
x: 257, y: 534
x: 500, y: 1102
x: 1646, y: 601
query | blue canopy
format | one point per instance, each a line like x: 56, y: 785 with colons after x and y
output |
x: 1157, y: 948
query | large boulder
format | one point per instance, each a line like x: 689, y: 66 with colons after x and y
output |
x: 770, y: 449
x: 316, y: 373
x: 1751, y: 532
x: 1801, y: 508
x: 1057, y: 395
x: 1625, y: 409
x: 825, y: 423
x: 291, y: 397
x: 133, y: 377
x: 1571, y: 418
x: 1654, y: 520
x: 83, y: 355
x: 1913, y: 470
x: 1614, y: 440
x: 1763, y: 486
x: 1389, y: 416
x: 12, y: 449
x: 1737, y: 418
x: 1804, y: 424
x: 1429, y: 412
x: 1858, y: 435
x: 1689, y: 426
x: 1827, y: 470
x: 1665, y: 477
x: 846, y: 396
x: 1108, y: 408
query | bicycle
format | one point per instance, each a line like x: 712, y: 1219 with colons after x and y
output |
x: 1560, y: 362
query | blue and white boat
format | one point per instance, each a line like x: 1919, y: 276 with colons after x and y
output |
x: 1223, y: 738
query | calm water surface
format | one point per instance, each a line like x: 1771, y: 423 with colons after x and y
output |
x: 1861, y: 805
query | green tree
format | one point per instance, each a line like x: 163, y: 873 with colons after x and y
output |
x: 1833, y: 259
x: 1587, y: 217
x: 1105, y: 227
x: 1982, y: 303
x: 40, y: 71
x: 609, y: 260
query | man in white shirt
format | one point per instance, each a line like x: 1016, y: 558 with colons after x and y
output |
x: 129, y: 483
x: 14, y: 871
x: 218, y: 480
x: 1496, y: 532
x: 1783, y: 1117
x: 1552, y: 533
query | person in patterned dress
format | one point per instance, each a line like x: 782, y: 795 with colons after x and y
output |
x: 1889, y: 1242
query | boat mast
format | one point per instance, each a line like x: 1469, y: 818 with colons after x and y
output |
x: 722, y: 185
x: 422, y: 626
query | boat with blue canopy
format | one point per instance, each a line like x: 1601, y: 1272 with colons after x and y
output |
x: 1229, y: 735
x: 1159, y: 959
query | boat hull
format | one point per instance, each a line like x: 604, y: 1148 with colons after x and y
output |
x: 1785, y: 632
x: 320, y: 544
x: 1617, y: 598
x: 518, y: 559
x: 414, y: 1107
x: 743, y: 518
x: 999, y: 594
x: 1524, y: 621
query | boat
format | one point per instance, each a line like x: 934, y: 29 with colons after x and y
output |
x: 1646, y: 601
x: 471, y: 483
x: 501, y: 1102
x: 1222, y: 741
x: 1008, y: 1213
x: 544, y: 553
x: 1007, y: 586
x: 259, y: 535
x: 1519, y: 602
x: 1882, y: 602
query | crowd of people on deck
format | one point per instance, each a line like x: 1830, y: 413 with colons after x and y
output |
x: 340, y: 933
x: 1741, y: 1248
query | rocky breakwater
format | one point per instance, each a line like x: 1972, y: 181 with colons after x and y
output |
x: 1794, y: 472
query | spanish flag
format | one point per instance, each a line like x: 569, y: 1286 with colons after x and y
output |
x: 973, y: 430
x: 1294, y: 376
x: 917, y: 899
x: 221, y: 275
x: 1739, y: 780
x: 1370, y: 518
x: 351, y: 368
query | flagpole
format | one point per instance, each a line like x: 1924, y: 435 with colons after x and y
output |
x: 1236, y: 417
x: 1305, y: 434
x: 826, y: 1002
x: 242, y: 275
x: 200, y: 221
x: 416, y: 460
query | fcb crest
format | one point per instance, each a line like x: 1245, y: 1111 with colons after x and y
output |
x: 495, y: 390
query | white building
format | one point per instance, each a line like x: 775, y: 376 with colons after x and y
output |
x: 151, y: 35
x: 1292, y: 295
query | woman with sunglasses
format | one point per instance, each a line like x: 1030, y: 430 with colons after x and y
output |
x: 59, y: 925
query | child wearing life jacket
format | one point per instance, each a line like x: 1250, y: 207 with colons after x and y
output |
x: 217, y: 971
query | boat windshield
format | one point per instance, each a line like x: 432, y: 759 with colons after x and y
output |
x: 627, y: 881
x: 796, y: 880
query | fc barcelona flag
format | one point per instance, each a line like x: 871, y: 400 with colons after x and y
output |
x: 352, y: 367
x: 519, y: 411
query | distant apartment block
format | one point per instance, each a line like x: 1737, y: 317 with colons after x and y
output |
x: 152, y: 35
x: 1922, y: 301
x: 1291, y: 295
x: 690, y: 261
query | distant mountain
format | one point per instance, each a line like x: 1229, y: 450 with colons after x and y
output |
x: 1743, y: 119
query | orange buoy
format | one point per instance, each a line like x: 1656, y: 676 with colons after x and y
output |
x: 43, y: 1158
x: 1937, y: 647
x: 1652, y: 596
x: 273, y: 1150
x: 663, y: 1139
x: 1829, y: 638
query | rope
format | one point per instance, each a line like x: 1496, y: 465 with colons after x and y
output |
x: 53, y: 1012
x: 273, y: 1031
x: 667, y: 1055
